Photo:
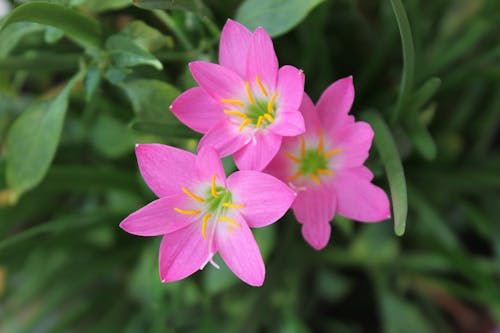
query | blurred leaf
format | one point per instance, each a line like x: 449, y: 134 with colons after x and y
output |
x: 125, y: 53
x: 420, y: 136
x: 425, y: 93
x: 111, y: 137
x: 196, y: 6
x: 265, y: 238
x: 147, y: 37
x: 33, y: 139
x: 53, y: 35
x: 81, y: 29
x: 92, y: 81
x: 218, y: 280
x: 104, y: 5
x: 394, y: 168
x: 12, y: 34
x: 276, y: 16
x: 167, y: 130
x: 40, y: 62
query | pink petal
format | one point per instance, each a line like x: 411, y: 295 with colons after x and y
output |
x: 288, y: 123
x: 196, y: 109
x: 233, y: 48
x: 363, y: 172
x: 165, y: 169
x: 209, y: 163
x: 182, y: 253
x: 358, y: 199
x: 335, y: 103
x: 224, y: 137
x: 310, y: 115
x: 281, y: 166
x: 158, y: 217
x: 315, y: 208
x: 240, y: 252
x: 218, y: 81
x: 262, y: 60
x: 355, y: 142
x: 290, y: 87
x: 266, y: 199
x: 257, y: 154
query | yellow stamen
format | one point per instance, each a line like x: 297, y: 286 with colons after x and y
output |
x: 187, y: 212
x: 271, y: 103
x: 293, y: 158
x: 259, y: 122
x: 232, y: 101
x: 324, y: 172
x: 295, y: 176
x: 249, y: 93
x: 332, y: 152
x: 192, y: 195
x: 269, y: 117
x: 320, y: 144
x: 229, y: 220
x: 214, y: 190
x: 231, y: 205
x: 204, y: 225
x: 302, y: 146
x: 261, y: 86
x: 243, y: 124
x: 315, y: 178
x: 236, y: 113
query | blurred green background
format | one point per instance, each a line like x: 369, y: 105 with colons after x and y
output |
x: 82, y: 81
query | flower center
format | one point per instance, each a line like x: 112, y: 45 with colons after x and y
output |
x: 258, y: 112
x: 312, y: 163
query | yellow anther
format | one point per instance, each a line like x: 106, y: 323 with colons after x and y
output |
x: 243, y: 124
x: 261, y: 86
x: 231, y: 205
x: 192, y: 195
x: 270, y: 105
x: 214, y: 190
x: 293, y: 158
x: 269, y: 117
x: 302, y: 146
x: 204, y: 225
x: 249, y: 93
x: 315, y: 178
x: 229, y: 220
x: 320, y: 144
x: 232, y: 101
x: 236, y: 113
x: 187, y: 212
x: 332, y: 152
x: 324, y: 172
x: 295, y: 176
x: 259, y: 122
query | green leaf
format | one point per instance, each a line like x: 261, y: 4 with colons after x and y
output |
x: 33, y: 139
x: 276, y: 16
x: 147, y: 37
x: 53, y: 35
x: 408, y: 57
x: 83, y: 30
x: 196, y: 6
x: 40, y: 62
x: 11, y: 35
x: 394, y: 168
x: 92, y: 81
x: 111, y: 137
x: 420, y: 136
x: 166, y: 130
x: 101, y: 6
x: 425, y: 93
x: 125, y: 53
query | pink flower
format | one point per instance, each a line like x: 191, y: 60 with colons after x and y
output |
x: 245, y: 105
x: 325, y: 166
x: 200, y: 212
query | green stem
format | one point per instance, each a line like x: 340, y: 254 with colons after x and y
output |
x: 169, y: 23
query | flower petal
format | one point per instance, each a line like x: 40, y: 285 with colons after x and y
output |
x: 310, y: 115
x: 290, y: 87
x: 209, y: 163
x: 233, y: 48
x: 355, y: 142
x: 315, y: 208
x: 281, y: 166
x: 335, y: 103
x: 165, y: 169
x: 182, y: 253
x: 288, y: 123
x: 262, y: 60
x: 218, y: 81
x: 196, y: 109
x: 224, y: 137
x: 358, y: 198
x: 158, y: 217
x: 265, y: 198
x: 238, y: 248
x: 257, y: 154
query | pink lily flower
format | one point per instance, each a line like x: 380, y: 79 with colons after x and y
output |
x: 245, y: 105
x: 325, y: 166
x: 200, y: 212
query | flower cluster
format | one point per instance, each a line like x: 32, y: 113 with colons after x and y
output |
x: 290, y: 153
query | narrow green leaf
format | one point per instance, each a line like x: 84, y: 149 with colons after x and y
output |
x: 11, y: 35
x: 101, y: 6
x: 92, y: 81
x: 388, y: 151
x: 33, y: 139
x: 276, y: 16
x: 40, y: 62
x: 196, y: 6
x: 125, y: 53
x: 408, y: 57
x: 420, y: 136
x: 423, y: 95
x: 166, y: 130
x: 83, y: 30
x: 147, y: 37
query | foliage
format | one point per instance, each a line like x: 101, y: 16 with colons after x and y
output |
x: 82, y: 81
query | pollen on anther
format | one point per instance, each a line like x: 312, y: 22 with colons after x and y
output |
x: 293, y: 158
x: 213, y: 189
x: 324, y: 172
x: 243, y: 124
x: 232, y: 101
x: 229, y: 220
x: 332, y: 152
x: 269, y: 117
x: 261, y: 86
x: 249, y: 93
x: 231, y: 205
x: 315, y: 178
x: 295, y: 176
x: 236, y: 113
x: 192, y: 195
x: 259, y: 121
x: 270, y: 105
x: 187, y: 212
x: 204, y: 225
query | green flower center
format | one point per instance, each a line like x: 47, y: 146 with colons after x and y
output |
x: 312, y: 161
